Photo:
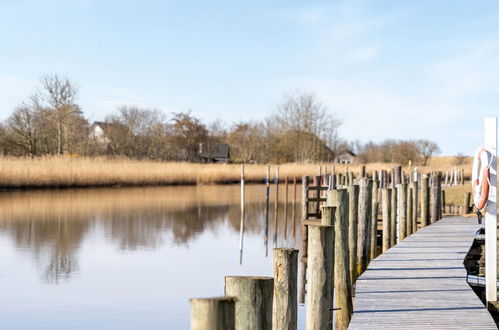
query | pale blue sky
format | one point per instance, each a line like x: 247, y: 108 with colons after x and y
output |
x: 388, y: 69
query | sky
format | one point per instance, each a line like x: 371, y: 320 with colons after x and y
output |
x: 388, y: 69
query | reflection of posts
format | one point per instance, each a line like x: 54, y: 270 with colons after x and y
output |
x: 284, y: 312
x: 267, y: 201
x: 276, y: 205
x: 254, y: 297
x: 213, y: 313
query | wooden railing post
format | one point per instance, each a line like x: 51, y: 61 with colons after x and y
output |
x: 402, y: 210
x: 425, y: 201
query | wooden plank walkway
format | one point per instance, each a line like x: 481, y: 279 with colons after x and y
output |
x: 421, y: 283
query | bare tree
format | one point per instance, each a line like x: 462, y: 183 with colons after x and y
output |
x: 427, y: 149
x: 59, y: 94
x: 24, y: 127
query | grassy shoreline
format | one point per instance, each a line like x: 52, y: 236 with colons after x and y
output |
x: 86, y: 172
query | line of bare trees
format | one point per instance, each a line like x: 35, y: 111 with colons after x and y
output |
x: 301, y: 129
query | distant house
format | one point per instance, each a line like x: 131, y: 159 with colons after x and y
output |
x: 345, y: 157
x: 98, y: 133
x: 214, y: 153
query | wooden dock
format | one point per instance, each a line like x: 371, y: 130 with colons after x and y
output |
x: 421, y: 283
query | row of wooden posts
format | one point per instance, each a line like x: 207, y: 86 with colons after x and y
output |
x: 339, y: 239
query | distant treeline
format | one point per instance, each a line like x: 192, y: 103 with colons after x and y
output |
x: 300, y: 129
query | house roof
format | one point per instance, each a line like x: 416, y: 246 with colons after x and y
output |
x: 217, y: 150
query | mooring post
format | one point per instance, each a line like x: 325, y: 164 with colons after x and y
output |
x: 466, y: 206
x: 393, y: 216
x: 364, y: 223
x: 415, y: 204
x: 267, y: 204
x: 342, y: 279
x: 408, y: 222
x: 213, y: 313
x: 402, y: 213
x: 276, y: 205
x: 397, y: 174
x: 304, y: 239
x: 285, y: 304
x: 320, y: 277
x: 434, y: 199
x: 353, y: 207
x: 425, y: 202
x: 254, y: 299
x: 373, y: 249
x: 441, y: 200
x: 362, y: 172
x: 293, y: 212
x: 386, y: 210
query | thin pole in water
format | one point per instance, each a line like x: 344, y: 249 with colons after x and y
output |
x: 276, y: 209
x: 286, y: 210
x: 267, y: 200
x: 241, y: 227
x: 294, y: 207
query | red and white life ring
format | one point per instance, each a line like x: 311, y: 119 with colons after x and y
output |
x: 480, y: 175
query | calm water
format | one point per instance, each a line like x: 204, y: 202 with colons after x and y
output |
x: 128, y: 258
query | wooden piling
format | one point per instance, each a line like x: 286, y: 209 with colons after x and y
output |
x: 408, y: 222
x: 425, y: 201
x: 254, y: 299
x: 286, y: 184
x: 342, y: 280
x: 364, y: 223
x: 386, y: 210
x: 304, y: 239
x: 397, y: 175
x: 213, y: 313
x: 402, y: 210
x: 467, y: 198
x: 293, y: 212
x: 241, y: 225
x: 415, y: 199
x: 353, y: 207
x: 373, y: 249
x: 393, y: 216
x: 362, y: 172
x: 267, y: 207
x: 435, y: 196
x: 276, y: 205
x: 285, y: 304
x: 320, y: 277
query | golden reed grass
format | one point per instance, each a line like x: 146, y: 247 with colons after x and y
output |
x: 63, y: 171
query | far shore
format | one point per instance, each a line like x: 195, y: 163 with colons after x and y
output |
x: 57, y: 172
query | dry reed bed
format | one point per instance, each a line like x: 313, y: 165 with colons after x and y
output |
x: 57, y: 172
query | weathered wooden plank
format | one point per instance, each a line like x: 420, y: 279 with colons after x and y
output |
x: 421, y: 283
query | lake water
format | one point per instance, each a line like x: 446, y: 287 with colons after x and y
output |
x: 129, y: 258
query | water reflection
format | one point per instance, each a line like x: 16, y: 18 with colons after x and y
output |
x: 51, y: 226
